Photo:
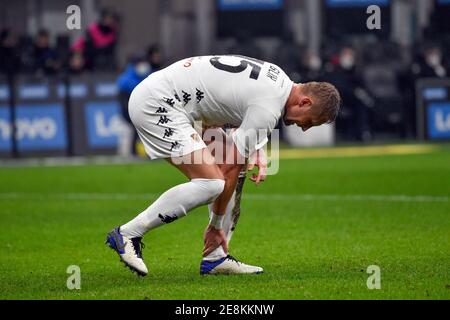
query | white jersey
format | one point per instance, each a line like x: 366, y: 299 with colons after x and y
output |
x: 222, y: 89
x: 234, y: 91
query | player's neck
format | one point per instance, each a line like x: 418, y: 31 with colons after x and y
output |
x: 293, y: 96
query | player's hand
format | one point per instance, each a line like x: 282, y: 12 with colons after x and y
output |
x: 258, y: 159
x: 213, y: 239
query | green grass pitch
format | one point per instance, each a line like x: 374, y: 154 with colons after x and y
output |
x: 315, y: 228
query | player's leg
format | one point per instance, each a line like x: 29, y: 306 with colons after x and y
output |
x: 205, y: 185
x: 219, y: 262
x: 166, y: 133
x: 127, y: 132
x: 231, y: 218
x: 218, y: 142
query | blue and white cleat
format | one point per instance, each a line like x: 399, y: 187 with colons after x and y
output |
x: 129, y: 250
x: 226, y: 266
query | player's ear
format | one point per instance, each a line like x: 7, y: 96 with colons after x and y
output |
x: 305, y: 102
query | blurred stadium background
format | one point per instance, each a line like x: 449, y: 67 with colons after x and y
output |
x: 315, y: 227
x: 67, y: 90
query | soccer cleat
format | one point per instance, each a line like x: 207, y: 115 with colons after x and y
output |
x: 129, y: 250
x: 227, y: 265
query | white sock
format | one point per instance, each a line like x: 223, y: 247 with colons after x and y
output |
x: 228, y: 221
x: 174, y: 204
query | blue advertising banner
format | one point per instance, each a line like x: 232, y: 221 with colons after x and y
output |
x: 4, y: 93
x: 103, y: 121
x: 5, y: 129
x: 41, y: 127
x: 106, y: 89
x: 250, y: 4
x: 439, y: 120
x: 435, y: 93
x: 33, y: 92
x: 356, y: 3
x: 76, y: 90
x: 5, y: 119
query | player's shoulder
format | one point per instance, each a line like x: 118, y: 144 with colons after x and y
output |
x: 190, y: 62
x: 272, y: 81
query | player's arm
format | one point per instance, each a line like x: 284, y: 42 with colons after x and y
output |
x: 251, y: 137
x: 228, y: 159
x: 231, y: 169
x: 247, y: 139
x: 214, y: 236
x: 247, y: 143
x: 258, y: 160
x: 229, y: 162
x: 261, y: 120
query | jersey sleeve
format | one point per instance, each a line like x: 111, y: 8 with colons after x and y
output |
x: 259, y: 122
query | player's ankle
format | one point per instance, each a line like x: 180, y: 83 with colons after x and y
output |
x: 215, y: 257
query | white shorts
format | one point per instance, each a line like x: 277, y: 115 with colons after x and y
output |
x: 163, y: 126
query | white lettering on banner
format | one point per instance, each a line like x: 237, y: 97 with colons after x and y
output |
x: 442, y: 122
x: 4, y: 93
x: 105, y: 129
x: 435, y: 93
x: 44, y: 128
x: 106, y: 90
x: 5, y: 130
x: 249, y: 2
x: 34, y: 92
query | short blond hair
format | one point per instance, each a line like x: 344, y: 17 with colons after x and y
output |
x: 326, y: 97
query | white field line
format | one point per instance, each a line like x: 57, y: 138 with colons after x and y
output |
x: 249, y: 196
x: 296, y: 153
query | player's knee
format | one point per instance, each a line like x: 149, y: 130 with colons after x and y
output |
x: 216, y: 187
x: 212, y: 187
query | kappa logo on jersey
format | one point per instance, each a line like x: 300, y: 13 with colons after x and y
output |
x: 175, y: 145
x: 168, y: 133
x: 169, y: 101
x: 163, y: 120
x: 187, y: 97
x: 177, y: 97
x: 200, y: 95
x: 161, y: 110
x: 167, y: 219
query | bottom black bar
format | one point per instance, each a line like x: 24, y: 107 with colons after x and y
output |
x: 250, y: 309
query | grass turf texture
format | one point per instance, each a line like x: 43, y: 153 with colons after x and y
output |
x: 310, y: 248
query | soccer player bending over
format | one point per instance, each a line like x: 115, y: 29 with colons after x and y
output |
x: 241, y: 92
